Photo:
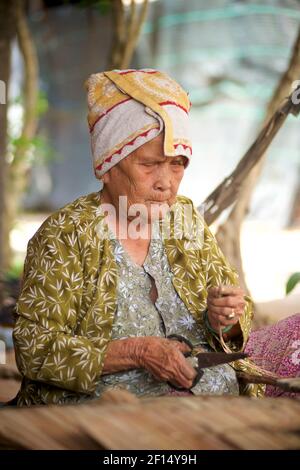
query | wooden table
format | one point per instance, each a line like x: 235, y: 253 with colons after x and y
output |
x: 156, y: 423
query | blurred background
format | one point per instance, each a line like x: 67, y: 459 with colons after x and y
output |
x: 237, y: 60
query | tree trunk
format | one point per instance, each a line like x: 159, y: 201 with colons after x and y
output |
x: 20, y: 166
x: 228, y: 191
x: 127, y: 29
x: 7, y: 31
x: 228, y: 234
x: 294, y: 219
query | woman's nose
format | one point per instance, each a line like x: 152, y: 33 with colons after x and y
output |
x: 163, y: 178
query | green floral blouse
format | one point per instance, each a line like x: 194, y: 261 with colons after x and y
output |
x: 68, y: 303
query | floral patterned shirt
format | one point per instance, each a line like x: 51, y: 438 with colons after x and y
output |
x: 67, y: 308
x: 137, y: 315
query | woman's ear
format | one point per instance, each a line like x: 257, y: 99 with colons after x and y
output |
x: 101, y: 183
x: 105, y: 178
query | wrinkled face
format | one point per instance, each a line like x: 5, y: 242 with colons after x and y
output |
x: 146, y: 177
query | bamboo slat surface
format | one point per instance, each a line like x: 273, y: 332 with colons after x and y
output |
x: 9, y: 379
x: 159, y: 423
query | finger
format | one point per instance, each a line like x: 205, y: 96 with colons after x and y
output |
x: 231, y: 302
x: 238, y: 297
x: 187, y: 384
x: 214, y: 291
x: 185, y: 376
x: 225, y: 311
x: 180, y: 346
x: 225, y: 291
x: 189, y: 372
x: 223, y: 321
x: 184, y: 369
x: 221, y: 311
x: 231, y: 290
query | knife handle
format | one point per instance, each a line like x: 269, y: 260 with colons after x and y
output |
x: 200, y: 373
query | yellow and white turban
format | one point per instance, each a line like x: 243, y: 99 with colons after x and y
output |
x: 127, y: 108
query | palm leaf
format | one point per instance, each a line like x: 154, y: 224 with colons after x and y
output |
x: 292, y: 281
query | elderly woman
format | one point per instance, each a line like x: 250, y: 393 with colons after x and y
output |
x: 112, y: 275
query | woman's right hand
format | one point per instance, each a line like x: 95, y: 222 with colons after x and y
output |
x: 164, y: 359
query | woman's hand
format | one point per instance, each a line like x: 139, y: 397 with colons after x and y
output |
x: 225, y: 305
x: 165, y: 360
x: 162, y: 357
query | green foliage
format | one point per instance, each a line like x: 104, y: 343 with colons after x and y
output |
x: 15, y: 271
x: 293, y: 280
x: 42, y: 104
x: 37, y: 148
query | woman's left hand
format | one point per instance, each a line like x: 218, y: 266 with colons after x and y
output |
x: 225, y: 306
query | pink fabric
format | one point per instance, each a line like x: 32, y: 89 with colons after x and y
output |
x: 276, y: 348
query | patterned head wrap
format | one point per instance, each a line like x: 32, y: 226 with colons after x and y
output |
x: 127, y: 108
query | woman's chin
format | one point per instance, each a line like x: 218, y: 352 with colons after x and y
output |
x: 158, y: 210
